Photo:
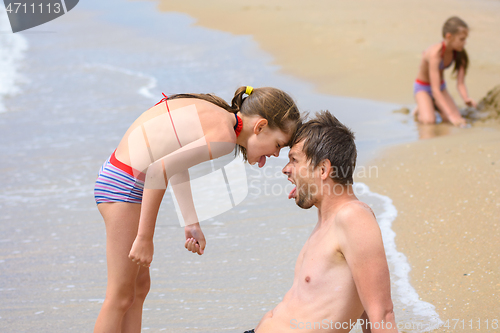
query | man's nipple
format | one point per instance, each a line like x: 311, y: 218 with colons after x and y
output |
x: 308, y: 279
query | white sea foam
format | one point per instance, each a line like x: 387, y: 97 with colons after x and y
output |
x: 12, y: 50
x: 402, y: 291
x: 145, y: 90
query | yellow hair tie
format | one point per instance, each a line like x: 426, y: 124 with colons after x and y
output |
x: 249, y: 90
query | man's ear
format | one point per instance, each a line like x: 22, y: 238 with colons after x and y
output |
x: 259, y: 125
x: 325, y: 169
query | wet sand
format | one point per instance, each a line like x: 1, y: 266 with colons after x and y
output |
x: 446, y: 189
x: 363, y: 48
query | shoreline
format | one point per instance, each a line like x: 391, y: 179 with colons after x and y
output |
x: 361, y: 49
x: 453, y: 183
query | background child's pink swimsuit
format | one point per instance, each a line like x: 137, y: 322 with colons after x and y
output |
x: 426, y: 86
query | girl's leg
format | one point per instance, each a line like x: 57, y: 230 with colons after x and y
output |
x: 133, y: 318
x: 122, y: 220
x: 425, y: 108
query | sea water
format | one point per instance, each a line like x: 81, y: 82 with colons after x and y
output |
x: 69, y: 89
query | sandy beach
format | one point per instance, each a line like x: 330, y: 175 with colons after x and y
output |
x: 446, y: 189
x: 362, y: 48
x: 76, y: 83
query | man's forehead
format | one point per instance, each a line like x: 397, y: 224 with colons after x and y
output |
x: 297, y: 149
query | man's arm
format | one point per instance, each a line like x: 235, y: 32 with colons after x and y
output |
x: 361, y: 244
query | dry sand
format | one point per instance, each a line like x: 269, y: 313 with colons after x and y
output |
x: 447, y: 194
x: 362, y: 48
x: 446, y: 189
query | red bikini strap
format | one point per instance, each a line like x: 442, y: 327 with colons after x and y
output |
x: 164, y: 99
x: 442, y: 50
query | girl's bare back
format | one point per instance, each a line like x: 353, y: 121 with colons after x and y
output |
x: 164, y: 130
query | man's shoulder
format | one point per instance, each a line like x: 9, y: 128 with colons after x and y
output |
x: 353, y: 213
x: 356, y: 224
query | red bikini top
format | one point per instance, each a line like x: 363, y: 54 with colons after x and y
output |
x: 441, y: 64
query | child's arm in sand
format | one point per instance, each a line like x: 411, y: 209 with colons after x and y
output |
x: 462, y: 89
x: 435, y: 81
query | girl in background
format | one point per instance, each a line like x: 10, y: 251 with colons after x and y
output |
x: 430, y: 87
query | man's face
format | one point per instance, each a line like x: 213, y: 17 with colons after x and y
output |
x: 301, y: 173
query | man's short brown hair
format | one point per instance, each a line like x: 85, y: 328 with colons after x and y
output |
x: 325, y: 137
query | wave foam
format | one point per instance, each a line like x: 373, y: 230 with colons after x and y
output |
x: 12, y: 51
x: 144, y: 90
x: 403, y: 292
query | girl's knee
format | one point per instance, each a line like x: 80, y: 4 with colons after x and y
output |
x: 142, y: 286
x: 121, y: 301
x: 426, y: 118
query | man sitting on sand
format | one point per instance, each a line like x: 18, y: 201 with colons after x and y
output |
x: 341, y: 274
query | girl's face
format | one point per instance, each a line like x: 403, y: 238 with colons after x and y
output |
x: 265, y: 142
x: 457, y: 41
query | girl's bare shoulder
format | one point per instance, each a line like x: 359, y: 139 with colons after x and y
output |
x: 217, y: 122
x: 433, y: 51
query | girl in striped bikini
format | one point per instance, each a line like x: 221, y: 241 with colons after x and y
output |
x: 430, y: 87
x: 179, y: 132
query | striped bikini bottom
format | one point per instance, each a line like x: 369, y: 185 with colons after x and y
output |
x: 426, y: 86
x: 116, y: 183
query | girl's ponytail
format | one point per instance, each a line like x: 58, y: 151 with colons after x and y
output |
x: 238, y: 99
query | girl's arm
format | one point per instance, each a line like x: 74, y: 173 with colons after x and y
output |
x: 172, y: 167
x: 195, y: 240
x: 462, y: 89
x: 142, y: 248
x: 435, y: 78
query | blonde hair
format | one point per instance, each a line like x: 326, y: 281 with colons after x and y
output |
x: 272, y: 104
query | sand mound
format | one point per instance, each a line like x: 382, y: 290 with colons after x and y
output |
x: 487, y: 109
x: 490, y: 104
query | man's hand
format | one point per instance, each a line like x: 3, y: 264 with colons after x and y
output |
x: 142, y: 251
x: 195, y: 240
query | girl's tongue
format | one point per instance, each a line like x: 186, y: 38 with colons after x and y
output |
x: 262, y: 161
x: 293, y: 193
